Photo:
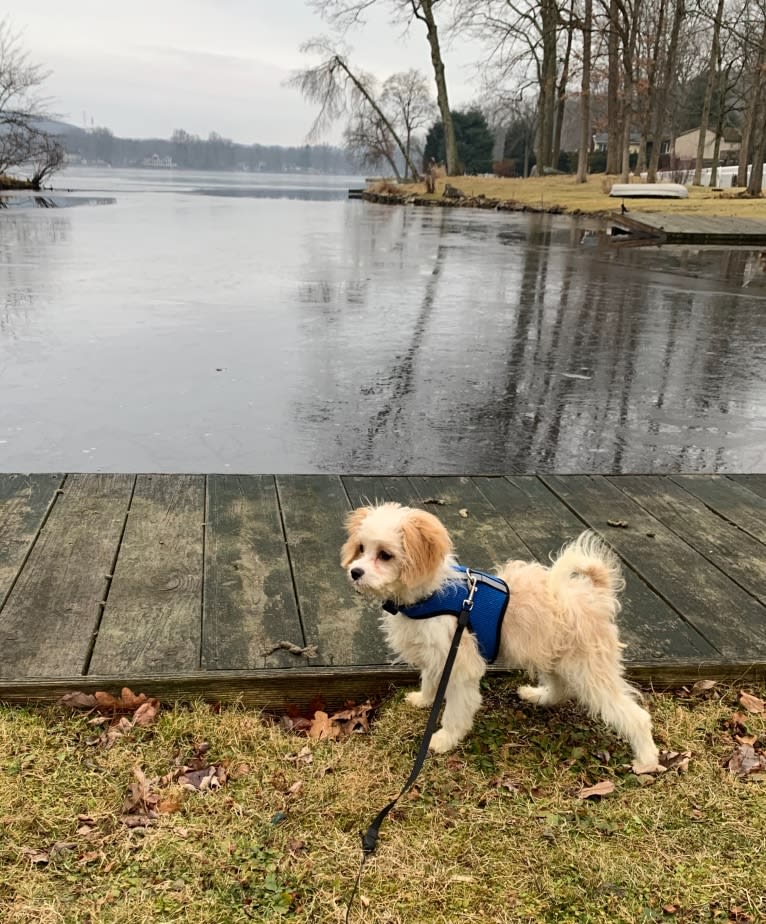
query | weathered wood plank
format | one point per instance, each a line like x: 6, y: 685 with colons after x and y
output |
x: 24, y: 502
x: 649, y: 627
x: 249, y: 599
x: 728, y: 617
x: 277, y: 690
x: 721, y: 543
x: 754, y: 483
x: 483, y: 539
x: 48, y: 621
x: 153, y: 614
x: 364, y: 490
x: 336, y: 620
x: 730, y: 499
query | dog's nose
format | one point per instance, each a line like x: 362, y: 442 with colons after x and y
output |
x: 356, y: 573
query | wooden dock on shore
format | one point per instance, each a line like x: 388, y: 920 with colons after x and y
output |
x: 687, y: 228
x: 186, y: 585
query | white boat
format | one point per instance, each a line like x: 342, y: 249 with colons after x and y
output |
x: 649, y: 191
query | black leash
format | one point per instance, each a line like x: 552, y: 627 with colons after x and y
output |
x: 370, y: 837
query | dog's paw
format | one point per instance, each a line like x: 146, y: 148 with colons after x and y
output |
x: 539, y: 696
x: 417, y: 700
x: 442, y: 741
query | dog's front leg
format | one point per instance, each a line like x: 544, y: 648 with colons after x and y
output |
x: 463, y: 699
x: 424, y: 697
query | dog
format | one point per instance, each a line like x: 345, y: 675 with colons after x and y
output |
x: 558, y: 623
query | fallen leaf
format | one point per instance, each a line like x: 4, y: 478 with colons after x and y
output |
x: 670, y: 909
x: 146, y: 713
x: 322, y: 727
x: 622, y: 524
x: 745, y: 760
x: 137, y: 821
x: 35, y: 856
x: 599, y: 789
x: 170, y: 805
x: 751, y: 703
x: 78, y: 700
x: 675, y: 760
x: 463, y: 512
x: 239, y: 771
x: 295, y: 788
x: 105, y: 701
x: 89, y: 857
x: 702, y: 686
x: 304, y: 756
x: 435, y: 500
x: 206, y: 779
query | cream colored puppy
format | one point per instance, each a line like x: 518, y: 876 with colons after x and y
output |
x: 559, y: 623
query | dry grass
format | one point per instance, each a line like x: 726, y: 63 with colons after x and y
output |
x: 495, y: 833
x: 592, y: 197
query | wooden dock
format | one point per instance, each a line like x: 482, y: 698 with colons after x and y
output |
x: 687, y: 228
x: 184, y: 585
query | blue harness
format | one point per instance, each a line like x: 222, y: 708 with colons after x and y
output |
x: 486, y: 617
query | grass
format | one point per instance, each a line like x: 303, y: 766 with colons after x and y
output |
x: 593, y: 197
x: 493, y: 833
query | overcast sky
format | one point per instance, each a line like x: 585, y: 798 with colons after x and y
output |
x: 147, y: 67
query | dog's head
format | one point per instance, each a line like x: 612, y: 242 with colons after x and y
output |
x: 395, y: 552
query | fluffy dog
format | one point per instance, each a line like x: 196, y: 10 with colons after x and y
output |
x: 559, y: 625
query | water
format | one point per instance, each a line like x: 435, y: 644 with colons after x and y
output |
x: 225, y: 322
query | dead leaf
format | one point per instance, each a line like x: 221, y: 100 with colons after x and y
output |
x: 137, y: 821
x: 675, y: 760
x: 434, y: 500
x: 621, y: 524
x: 207, y: 779
x: 304, y: 756
x: 78, y: 700
x: 36, y: 856
x: 105, y: 701
x: 239, y: 771
x: 89, y: 857
x: 751, y: 703
x: 670, y: 909
x: 702, y: 686
x: 745, y: 760
x: 322, y: 727
x: 295, y: 788
x: 463, y: 512
x: 146, y: 713
x: 170, y: 805
x: 599, y: 789
x: 310, y: 651
x: 143, y: 797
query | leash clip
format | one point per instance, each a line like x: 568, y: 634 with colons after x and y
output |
x: 472, y: 582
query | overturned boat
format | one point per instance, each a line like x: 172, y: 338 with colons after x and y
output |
x: 649, y: 191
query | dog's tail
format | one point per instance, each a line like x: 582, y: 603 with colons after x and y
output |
x: 590, y: 557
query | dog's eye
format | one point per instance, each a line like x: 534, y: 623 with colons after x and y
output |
x: 385, y: 556
x: 361, y: 549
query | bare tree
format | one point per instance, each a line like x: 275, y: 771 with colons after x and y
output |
x: 369, y: 142
x: 348, y: 13
x: 21, y: 109
x: 340, y: 91
x: 406, y: 97
x: 47, y: 157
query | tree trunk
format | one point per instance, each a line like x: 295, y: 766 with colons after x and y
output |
x: 585, y: 129
x: 423, y: 10
x: 561, y: 92
x: 758, y: 135
x: 722, y: 78
x: 709, y: 87
x: 613, y: 107
x: 668, y: 79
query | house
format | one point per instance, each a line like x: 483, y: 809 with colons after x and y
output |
x: 685, y: 146
x: 601, y: 139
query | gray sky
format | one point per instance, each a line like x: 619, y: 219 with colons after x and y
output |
x: 145, y: 68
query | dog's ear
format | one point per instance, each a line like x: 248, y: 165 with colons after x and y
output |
x: 426, y: 544
x: 353, y: 522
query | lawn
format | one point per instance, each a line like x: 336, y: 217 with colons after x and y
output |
x: 593, y: 197
x: 220, y: 814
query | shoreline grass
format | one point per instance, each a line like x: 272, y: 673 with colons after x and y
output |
x: 494, y: 832
x: 592, y: 197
